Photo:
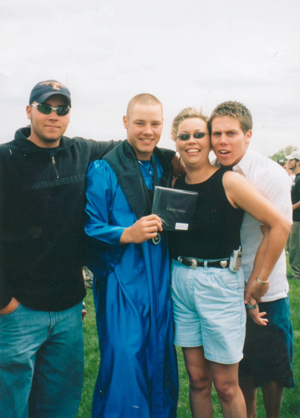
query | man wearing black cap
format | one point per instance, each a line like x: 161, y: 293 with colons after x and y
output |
x: 42, y: 187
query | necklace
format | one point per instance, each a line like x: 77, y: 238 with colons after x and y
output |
x: 147, y: 167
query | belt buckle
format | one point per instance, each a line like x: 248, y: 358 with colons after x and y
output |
x: 194, y: 263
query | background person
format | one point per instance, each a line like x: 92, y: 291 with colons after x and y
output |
x: 268, y: 351
x: 208, y: 297
x: 289, y: 173
x: 281, y: 162
x: 138, y: 370
x: 294, y: 240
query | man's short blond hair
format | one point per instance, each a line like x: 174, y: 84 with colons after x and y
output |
x: 143, y: 99
x: 187, y: 113
x: 235, y: 110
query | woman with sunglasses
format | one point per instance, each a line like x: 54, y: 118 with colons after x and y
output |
x: 207, y: 284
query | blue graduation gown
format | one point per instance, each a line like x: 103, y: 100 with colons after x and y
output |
x: 138, y: 370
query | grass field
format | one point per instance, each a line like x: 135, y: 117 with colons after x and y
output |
x: 291, y: 402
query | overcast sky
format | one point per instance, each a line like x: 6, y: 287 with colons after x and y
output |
x: 187, y: 53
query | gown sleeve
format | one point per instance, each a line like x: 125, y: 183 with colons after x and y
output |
x: 100, y: 193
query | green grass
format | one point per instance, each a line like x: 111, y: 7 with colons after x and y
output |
x: 291, y: 403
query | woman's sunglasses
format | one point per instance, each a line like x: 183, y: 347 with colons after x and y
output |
x: 47, y: 109
x: 196, y: 135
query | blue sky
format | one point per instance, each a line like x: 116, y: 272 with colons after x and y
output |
x: 193, y: 53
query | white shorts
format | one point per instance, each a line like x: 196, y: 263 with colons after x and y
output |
x: 209, y: 311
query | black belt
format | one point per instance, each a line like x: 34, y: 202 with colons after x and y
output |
x: 195, y: 262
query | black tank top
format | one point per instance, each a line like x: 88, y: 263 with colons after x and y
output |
x: 215, y: 232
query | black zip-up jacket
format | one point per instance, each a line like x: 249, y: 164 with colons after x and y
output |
x: 42, y: 198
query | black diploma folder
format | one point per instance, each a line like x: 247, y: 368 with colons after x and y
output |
x: 176, y: 208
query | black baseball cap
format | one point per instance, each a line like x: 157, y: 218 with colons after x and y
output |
x: 45, y: 89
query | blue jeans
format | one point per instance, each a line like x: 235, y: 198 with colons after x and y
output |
x: 41, y: 363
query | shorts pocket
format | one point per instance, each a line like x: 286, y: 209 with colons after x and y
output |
x: 230, y: 279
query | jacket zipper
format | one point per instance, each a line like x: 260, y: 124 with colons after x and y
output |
x: 54, y: 165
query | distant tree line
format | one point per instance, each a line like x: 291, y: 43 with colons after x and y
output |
x: 283, y: 152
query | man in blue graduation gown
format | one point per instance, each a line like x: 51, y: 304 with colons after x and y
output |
x: 128, y: 254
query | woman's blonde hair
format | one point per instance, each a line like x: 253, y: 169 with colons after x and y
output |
x: 187, y: 113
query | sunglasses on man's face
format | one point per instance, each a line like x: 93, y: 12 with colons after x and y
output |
x: 47, y: 109
x: 196, y: 135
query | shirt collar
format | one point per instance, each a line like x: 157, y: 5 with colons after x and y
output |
x: 27, y: 146
x: 243, y: 165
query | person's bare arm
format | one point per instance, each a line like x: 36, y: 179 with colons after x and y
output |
x: 178, y: 166
x: 258, y: 317
x: 258, y: 262
x: 242, y: 194
x: 296, y: 205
